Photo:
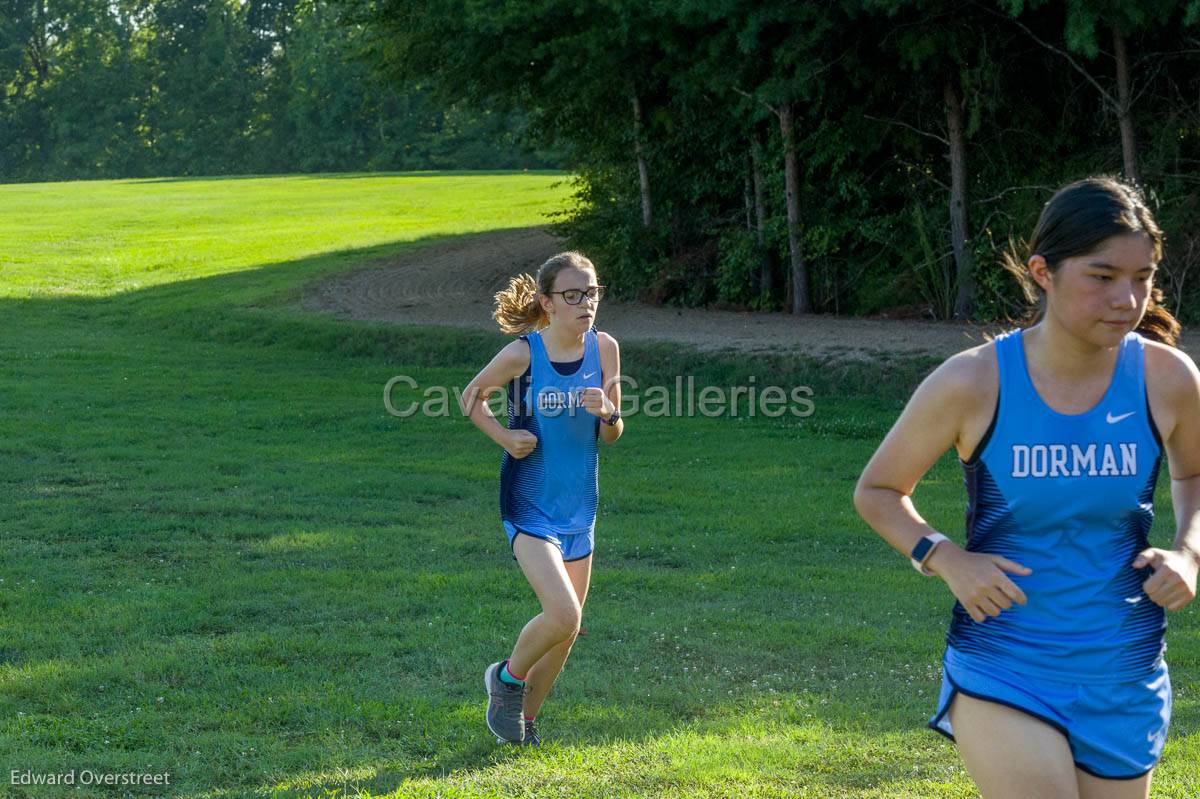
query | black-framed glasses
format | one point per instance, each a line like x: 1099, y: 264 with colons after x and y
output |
x: 575, y: 296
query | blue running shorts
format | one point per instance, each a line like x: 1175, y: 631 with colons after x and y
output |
x: 573, y: 547
x: 1116, y: 731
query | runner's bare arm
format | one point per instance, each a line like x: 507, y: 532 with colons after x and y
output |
x: 932, y: 422
x: 1175, y: 400
x: 930, y: 425
x: 610, y: 366
x: 508, y: 364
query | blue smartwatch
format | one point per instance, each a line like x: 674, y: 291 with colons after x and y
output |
x: 924, y: 548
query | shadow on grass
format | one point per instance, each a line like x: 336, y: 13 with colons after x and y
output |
x: 346, y: 175
x: 435, y: 173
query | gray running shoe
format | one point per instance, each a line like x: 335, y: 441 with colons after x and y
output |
x: 531, y: 734
x: 505, y: 702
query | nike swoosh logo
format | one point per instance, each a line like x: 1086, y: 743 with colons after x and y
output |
x: 1133, y: 600
x: 589, y: 374
x: 1114, y: 419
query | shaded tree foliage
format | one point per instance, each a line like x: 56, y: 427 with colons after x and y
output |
x: 858, y: 156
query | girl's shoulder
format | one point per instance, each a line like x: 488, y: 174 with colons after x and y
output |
x: 972, y: 373
x: 1173, y: 392
x: 1172, y: 384
x: 1169, y: 367
x: 515, y: 355
x: 961, y: 396
x: 606, y: 341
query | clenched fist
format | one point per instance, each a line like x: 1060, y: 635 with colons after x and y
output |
x: 1173, y: 585
x: 597, y: 402
x: 520, y: 443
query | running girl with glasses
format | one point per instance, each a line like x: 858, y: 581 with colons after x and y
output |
x: 1054, y: 683
x: 563, y: 395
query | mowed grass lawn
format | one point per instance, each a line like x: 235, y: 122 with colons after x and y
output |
x: 224, y: 560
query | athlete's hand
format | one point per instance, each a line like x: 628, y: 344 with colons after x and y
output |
x: 597, y: 402
x: 520, y: 443
x: 978, y: 580
x: 1173, y: 584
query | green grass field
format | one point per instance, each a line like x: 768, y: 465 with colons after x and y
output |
x: 224, y: 560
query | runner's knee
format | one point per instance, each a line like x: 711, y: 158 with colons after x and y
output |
x: 565, y: 620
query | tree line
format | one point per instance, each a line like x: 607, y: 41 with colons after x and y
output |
x: 849, y: 156
x: 133, y: 88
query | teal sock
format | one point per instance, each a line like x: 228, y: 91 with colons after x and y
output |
x: 508, y: 677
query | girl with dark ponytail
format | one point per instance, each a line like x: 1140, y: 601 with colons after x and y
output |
x: 1054, y: 682
x: 1075, y: 222
x: 563, y: 379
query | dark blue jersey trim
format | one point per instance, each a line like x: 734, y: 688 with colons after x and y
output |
x: 987, y: 436
x: 1153, y: 426
x: 516, y: 389
x: 567, y: 368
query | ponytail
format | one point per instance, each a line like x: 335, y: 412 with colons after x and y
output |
x: 1158, y: 324
x: 518, y: 310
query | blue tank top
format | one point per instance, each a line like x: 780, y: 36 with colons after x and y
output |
x: 1071, y: 497
x: 554, y: 489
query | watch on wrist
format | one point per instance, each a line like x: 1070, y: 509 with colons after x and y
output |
x: 616, y: 417
x: 924, y: 548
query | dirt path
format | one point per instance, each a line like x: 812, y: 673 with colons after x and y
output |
x: 452, y: 283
